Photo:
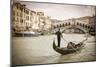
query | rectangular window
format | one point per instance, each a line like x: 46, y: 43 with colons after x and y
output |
x: 21, y: 21
x: 27, y: 12
x: 17, y: 14
x: 13, y: 19
x: 13, y: 13
x: 17, y: 20
x: 31, y: 13
x: 30, y: 18
x: 21, y: 8
x: 17, y: 6
x: 24, y: 9
x: 27, y: 17
x: 20, y: 14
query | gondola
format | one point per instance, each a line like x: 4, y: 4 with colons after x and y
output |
x: 70, y: 48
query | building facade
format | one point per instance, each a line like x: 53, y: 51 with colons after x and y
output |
x: 24, y: 19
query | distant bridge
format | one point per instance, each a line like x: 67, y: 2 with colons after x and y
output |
x: 69, y: 27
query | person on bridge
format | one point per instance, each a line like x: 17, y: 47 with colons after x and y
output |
x: 59, y: 35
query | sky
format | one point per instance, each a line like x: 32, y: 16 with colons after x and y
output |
x: 61, y: 11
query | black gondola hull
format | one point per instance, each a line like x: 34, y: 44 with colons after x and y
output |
x: 65, y: 50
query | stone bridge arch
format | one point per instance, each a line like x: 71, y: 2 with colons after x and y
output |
x: 75, y: 26
x: 76, y: 29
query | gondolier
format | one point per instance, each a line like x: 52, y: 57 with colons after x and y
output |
x: 59, y: 35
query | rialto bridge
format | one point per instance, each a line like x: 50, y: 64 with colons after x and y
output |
x: 72, y: 27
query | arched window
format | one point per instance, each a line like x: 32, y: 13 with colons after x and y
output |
x: 66, y: 24
x: 77, y: 23
x: 80, y: 24
x: 63, y: 25
x: 83, y: 25
x: 54, y: 27
x: 88, y: 27
x: 57, y: 26
x: 60, y: 25
x: 69, y: 23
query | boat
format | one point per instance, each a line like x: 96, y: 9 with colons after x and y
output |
x: 70, y: 48
x: 27, y: 33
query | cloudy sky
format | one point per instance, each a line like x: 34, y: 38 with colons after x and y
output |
x: 61, y: 11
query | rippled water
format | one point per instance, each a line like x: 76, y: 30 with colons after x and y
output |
x: 39, y: 50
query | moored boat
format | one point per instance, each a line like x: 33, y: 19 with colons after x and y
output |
x: 26, y: 33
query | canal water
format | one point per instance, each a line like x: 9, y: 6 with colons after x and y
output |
x: 39, y: 50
